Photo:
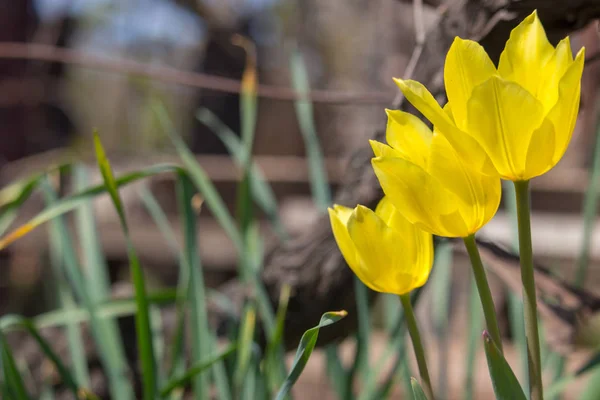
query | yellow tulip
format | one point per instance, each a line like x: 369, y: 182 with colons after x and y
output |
x: 429, y: 183
x: 385, y: 251
x: 521, y: 115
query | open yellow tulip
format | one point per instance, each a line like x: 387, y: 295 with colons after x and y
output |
x: 385, y: 251
x: 429, y: 183
x: 521, y: 115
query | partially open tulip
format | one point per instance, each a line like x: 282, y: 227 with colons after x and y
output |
x: 522, y: 114
x: 426, y: 179
x: 385, y: 251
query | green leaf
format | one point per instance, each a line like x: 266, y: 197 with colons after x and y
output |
x: 261, y: 191
x: 12, y: 377
x: 505, y: 383
x: 274, y: 353
x: 475, y: 325
x: 245, y: 344
x: 304, y: 112
x: 305, y: 349
x: 196, y: 369
x: 197, y: 292
x: 418, y: 392
x: 142, y: 317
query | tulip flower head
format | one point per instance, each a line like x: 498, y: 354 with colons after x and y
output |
x: 521, y: 114
x: 385, y: 251
x: 429, y: 183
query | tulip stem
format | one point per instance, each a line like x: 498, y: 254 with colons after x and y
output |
x: 485, y: 294
x: 529, y: 299
x: 415, y: 336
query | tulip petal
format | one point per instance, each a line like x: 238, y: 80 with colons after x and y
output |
x: 469, y: 148
x: 475, y: 198
x: 467, y: 65
x: 409, y: 135
x: 541, y: 151
x: 502, y: 117
x: 419, y: 197
x: 552, y: 73
x: 525, y: 54
x: 339, y: 216
x: 564, y: 114
x: 383, y: 259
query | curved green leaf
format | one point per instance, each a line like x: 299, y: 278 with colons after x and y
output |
x: 506, y: 385
x: 417, y: 390
x: 305, y: 349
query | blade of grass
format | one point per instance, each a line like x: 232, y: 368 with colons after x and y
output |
x: 245, y: 344
x: 590, y: 206
x: 62, y: 370
x: 12, y: 376
x: 304, y: 113
x: 142, y: 318
x: 336, y: 373
x: 361, y: 353
x: 274, y: 354
x: 261, y: 191
x: 217, y: 207
x: 475, y: 328
x: 196, y: 369
x: 108, y: 342
x: 441, y: 282
x: 59, y: 238
x: 305, y: 349
x: 196, y: 294
x: 558, y: 386
x: 71, y: 202
x: 417, y: 390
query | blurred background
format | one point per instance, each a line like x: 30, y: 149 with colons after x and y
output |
x: 98, y: 64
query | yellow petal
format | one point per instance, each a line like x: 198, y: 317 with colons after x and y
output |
x: 339, y: 216
x: 564, y: 114
x: 419, y: 197
x: 541, y: 149
x: 467, y: 65
x: 383, y: 150
x: 383, y: 254
x: 502, y: 117
x: 409, y: 135
x: 525, y: 54
x: 471, y: 188
x: 552, y: 73
x: 469, y: 148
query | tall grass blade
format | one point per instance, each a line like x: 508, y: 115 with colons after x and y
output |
x: 12, y: 377
x: 304, y: 112
x: 361, y: 353
x: 196, y: 294
x: 59, y: 240
x: 305, y: 349
x: 590, y: 206
x: 197, y: 368
x: 475, y: 327
x: 245, y: 345
x: 261, y: 191
x: 274, y: 354
x: 142, y: 317
x: 441, y: 283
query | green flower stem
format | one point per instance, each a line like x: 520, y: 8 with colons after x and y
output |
x: 485, y: 294
x: 529, y: 299
x: 413, y: 330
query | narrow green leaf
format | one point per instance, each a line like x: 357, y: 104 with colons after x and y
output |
x: 196, y: 294
x: 475, y: 325
x: 12, y: 376
x: 336, y: 373
x: 69, y: 203
x: 418, y: 392
x: 261, y: 191
x: 304, y: 113
x: 245, y: 344
x: 196, y: 369
x: 441, y: 282
x: 305, y: 349
x: 505, y: 383
x: 276, y: 370
x: 142, y: 317
x: 59, y: 254
x: 361, y: 353
x: 559, y: 385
